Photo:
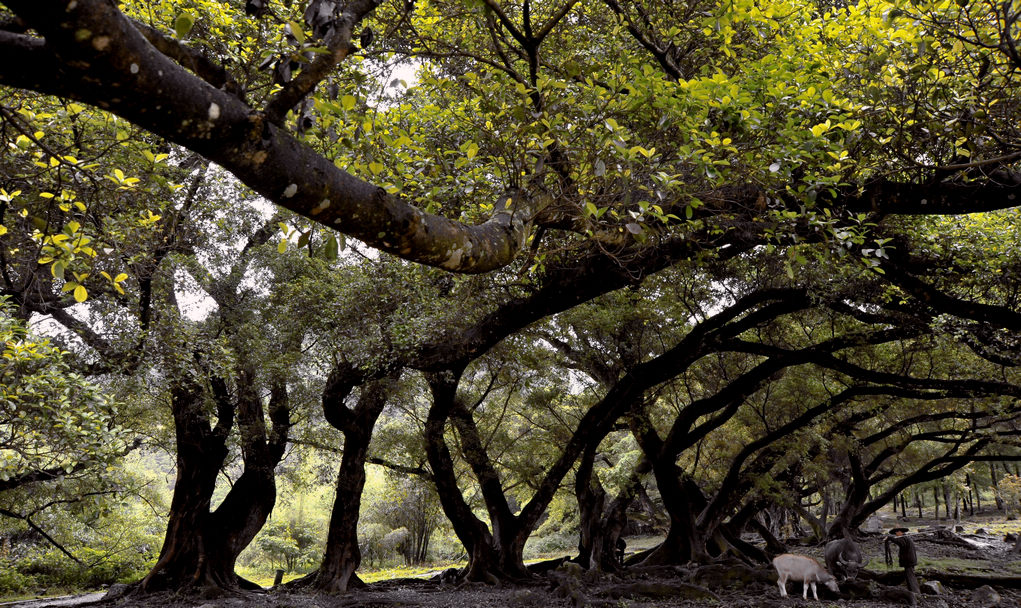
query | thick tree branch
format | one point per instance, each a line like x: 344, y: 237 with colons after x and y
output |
x: 665, y: 60
x: 554, y: 20
x: 192, y: 59
x: 933, y: 469
x: 942, y: 198
x: 999, y: 316
x: 505, y: 21
x: 114, y: 67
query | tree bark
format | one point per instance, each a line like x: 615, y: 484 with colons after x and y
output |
x: 996, y: 486
x: 201, y: 547
x: 470, y: 530
x: 189, y: 555
x: 854, y: 500
x: 342, y: 555
x: 601, y: 526
x: 684, y: 500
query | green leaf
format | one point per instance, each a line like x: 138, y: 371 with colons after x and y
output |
x: 80, y: 294
x: 183, y: 24
x: 331, y: 249
x: 297, y: 31
x: 473, y: 149
x: 347, y: 102
x: 57, y: 270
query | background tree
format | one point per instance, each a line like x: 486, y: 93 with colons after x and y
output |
x: 769, y: 182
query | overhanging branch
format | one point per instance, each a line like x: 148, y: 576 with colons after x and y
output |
x: 116, y: 68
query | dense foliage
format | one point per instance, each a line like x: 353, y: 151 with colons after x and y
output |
x: 689, y: 268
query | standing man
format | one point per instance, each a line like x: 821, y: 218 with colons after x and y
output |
x: 907, y: 557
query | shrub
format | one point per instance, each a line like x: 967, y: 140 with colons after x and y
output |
x: 12, y: 581
x: 53, y: 569
x: 551, y: 544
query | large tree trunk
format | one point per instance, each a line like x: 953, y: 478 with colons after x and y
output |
x: 470, y: 530
x: 492, y: 556
x: 591, y: 498
x: 201, y: 547
x: 601, y: 526
x: 190, y: 556
x: 342, y: 556
x: 854, y: 501
x: 683, y: 500
x: 507, y: 541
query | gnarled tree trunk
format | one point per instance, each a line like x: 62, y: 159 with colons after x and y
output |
x: 491, y: 555
x: 601, y: 525
x: 342, y: 555
x: 201, y: 547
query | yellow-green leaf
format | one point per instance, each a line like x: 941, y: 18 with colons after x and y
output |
x: 183, y: 24
x: 297, y: 31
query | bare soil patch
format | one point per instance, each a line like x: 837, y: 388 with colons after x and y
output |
x: 961, y: 567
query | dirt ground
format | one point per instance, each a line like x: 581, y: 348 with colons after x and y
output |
x: 962, y: 568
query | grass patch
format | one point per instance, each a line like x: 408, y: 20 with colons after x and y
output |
x: 265, y: 578
x: 641, y: 543
x: 371, y: 576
